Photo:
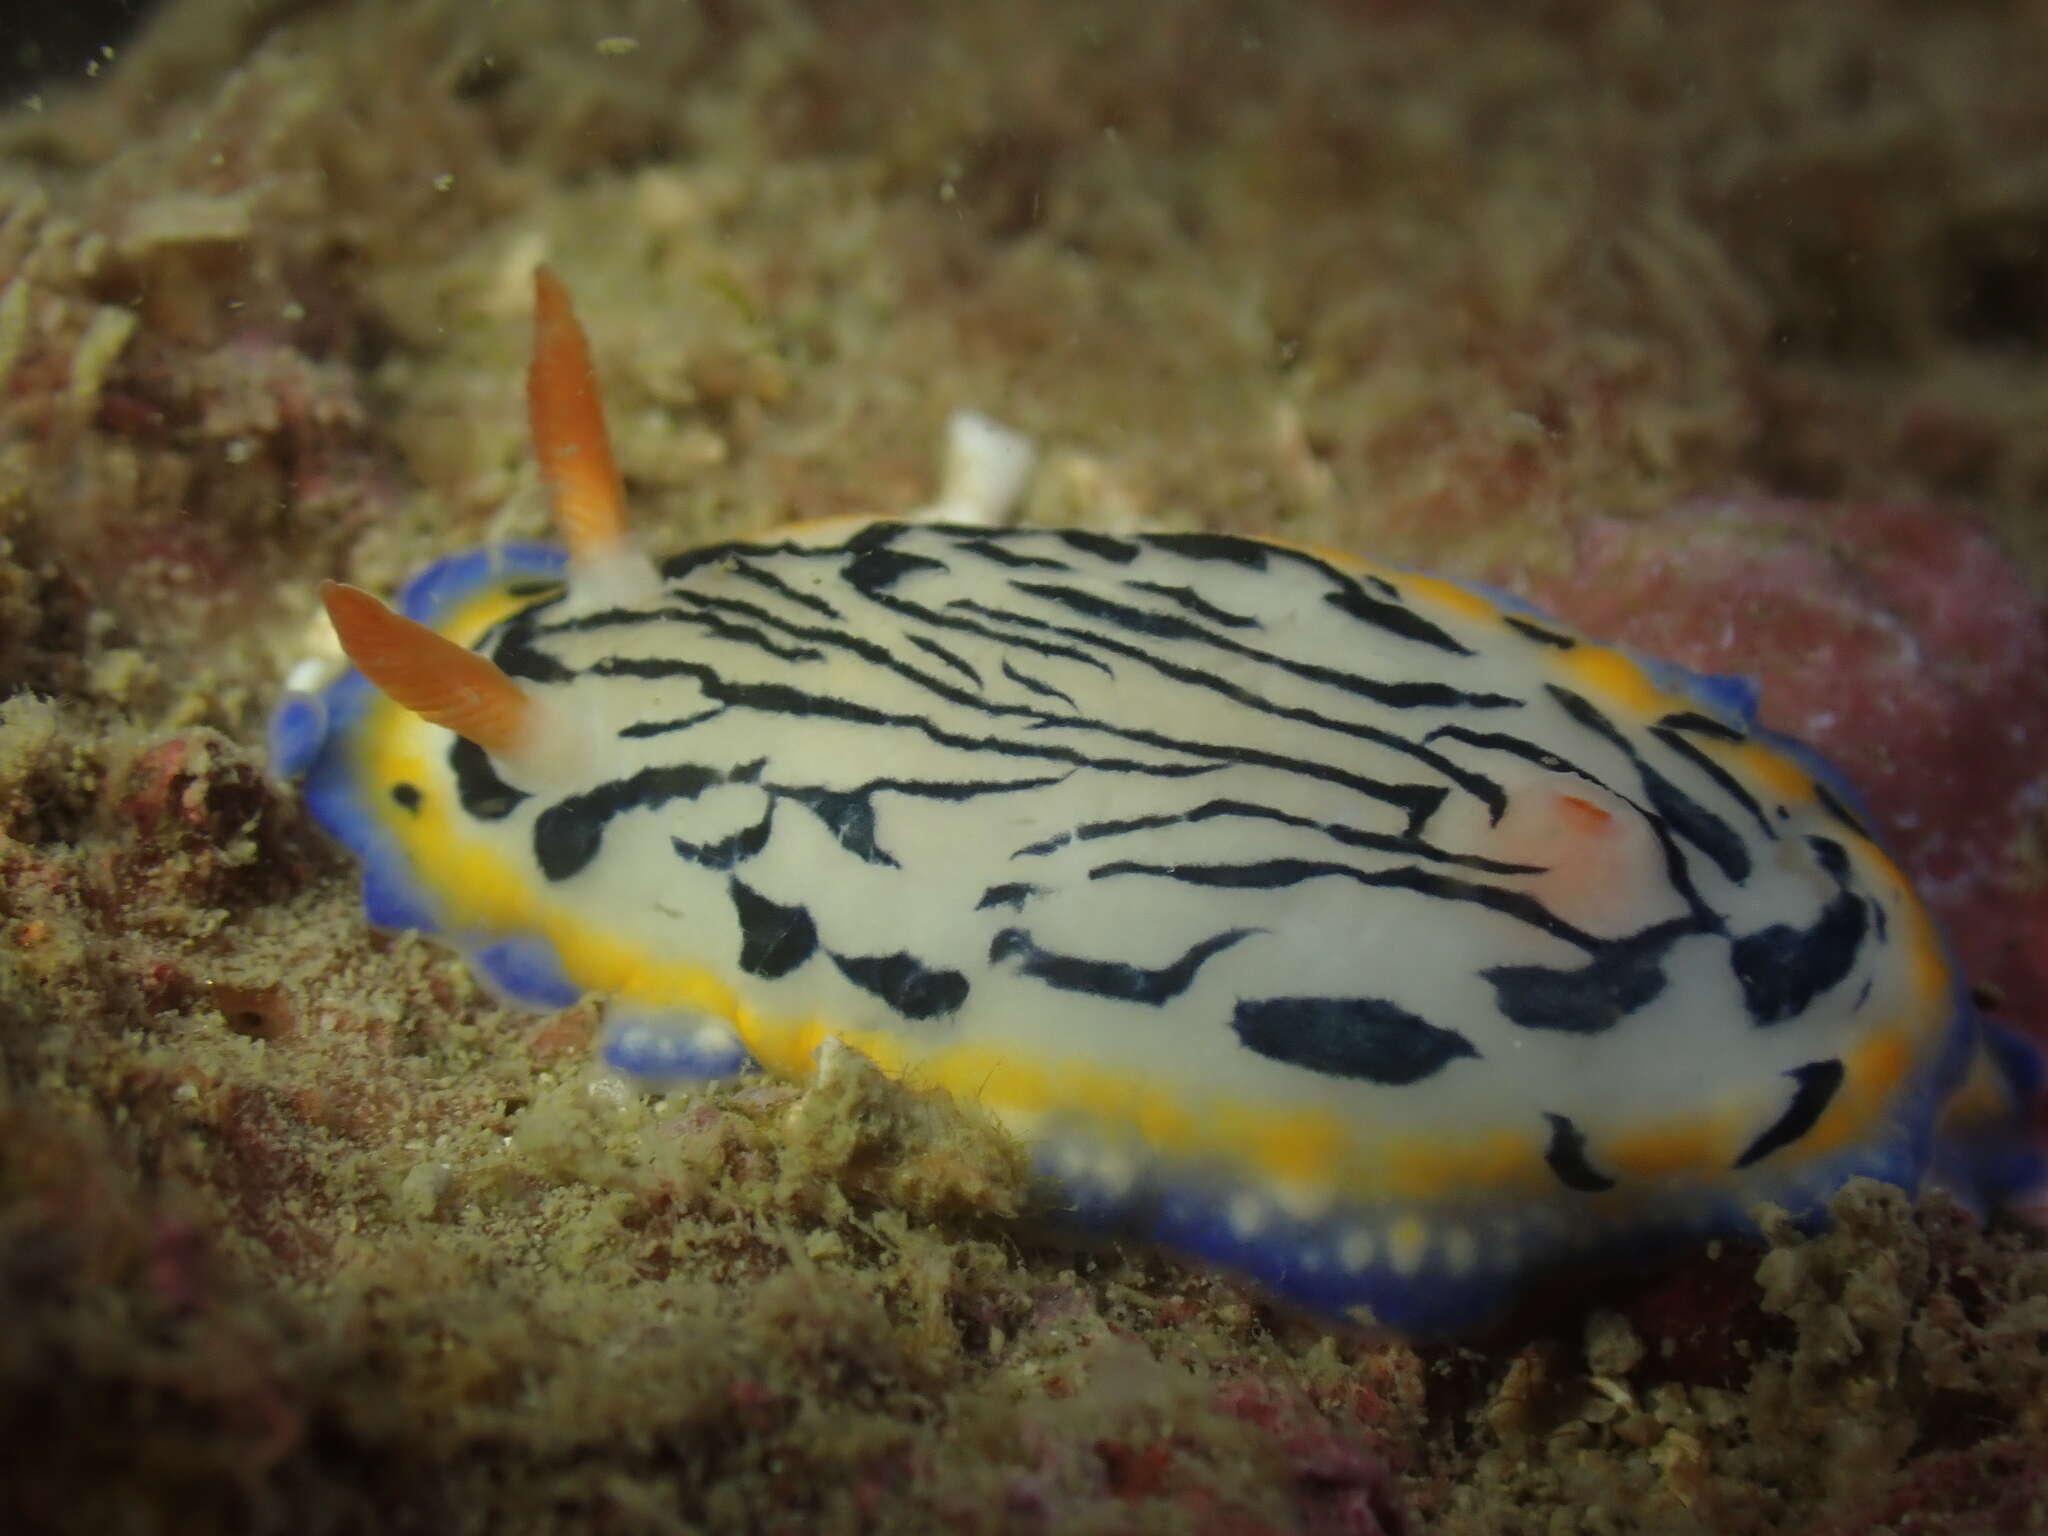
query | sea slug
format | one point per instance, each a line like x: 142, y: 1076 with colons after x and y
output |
x: 1373, y: 935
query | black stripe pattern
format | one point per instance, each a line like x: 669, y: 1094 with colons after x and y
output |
x: 1209, y: 803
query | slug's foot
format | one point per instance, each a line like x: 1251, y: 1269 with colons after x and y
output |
x: 659, y: 1050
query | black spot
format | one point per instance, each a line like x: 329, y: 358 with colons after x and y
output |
x: 477, y: 785
x: 1393, y: 617
x: 1567, y: 1158
x: 989, y: 549
x: 876, y: 535
x: 641, y: 730
x: 1140, y: 621
x: 1833, y: 857
x: 1104, y: 613
x: 771, y: 582
x: 1782, y: 969
x: 702, y: 616
x: 516, y: 655
x: 535, y: 586
x: 1117, y: 980
x: 1697, y: 825
x: 675, y: 567
x: 879, y: 569
x: 1226, y: 547
x: 1006, y: 638
x: 849, y: 815
x: 1538, y: 633
x: 905, y: 983
x: 1100, y: 545
x: 1338, y: 832
x: 1818, y: 1082
x: 774, y: 939
x: 1281, y: 874
x: 950, y: 658
x: 1038, y: 686
x: 727, y: 852
x: 1013, y: 896
x: 1514, y: 746
x: 1702, y: 725
x: 1362, y: 1037
x: 567, y: 835
x: 1195, y: 603
x: 1725, y: 781
x: 407, y: 796
x: 1589, y: 998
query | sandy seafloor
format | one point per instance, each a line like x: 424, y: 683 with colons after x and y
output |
x: 300, y: 1231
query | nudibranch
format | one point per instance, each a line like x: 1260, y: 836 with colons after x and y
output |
x: 1368, y: 933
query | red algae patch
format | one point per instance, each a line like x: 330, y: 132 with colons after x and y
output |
x: 1900, y: 641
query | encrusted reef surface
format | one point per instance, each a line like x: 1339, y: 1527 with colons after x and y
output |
x: 1723, y: 329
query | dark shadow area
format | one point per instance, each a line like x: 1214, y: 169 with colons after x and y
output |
x: 61, y: 42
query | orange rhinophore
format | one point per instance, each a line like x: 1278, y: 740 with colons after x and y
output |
x: 569, y: 435
x: 443, y: 683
